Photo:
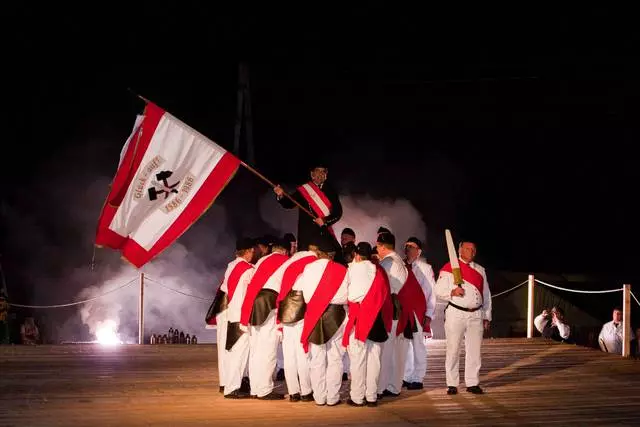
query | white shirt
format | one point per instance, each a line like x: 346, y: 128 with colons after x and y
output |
x: 396, y: 271
x: 445, y: 285
x: 235, y: 305
x: 275, y: 281
x: 563, y: 329
x: 308, y: 282
x: 360, y: 276
x: 424, y: 273
x: 611, y: 335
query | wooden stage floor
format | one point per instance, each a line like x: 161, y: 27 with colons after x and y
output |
x: 526, y: 382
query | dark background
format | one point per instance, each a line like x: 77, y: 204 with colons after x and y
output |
x: 516, y: 127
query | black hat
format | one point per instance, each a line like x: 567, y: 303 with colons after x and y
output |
x: 244, y: 243
x: 416, y: 241
x: 283, y: 243
x: 387, y: 238
x: 383, y: 230
x: 324, y: 243
x: 349, y: 232
x: 289, y: 237
x: 364, y: 249
x: 318, y: 163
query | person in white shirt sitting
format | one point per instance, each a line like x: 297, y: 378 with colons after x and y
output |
x: 610, y: 338
x: 551, y: 324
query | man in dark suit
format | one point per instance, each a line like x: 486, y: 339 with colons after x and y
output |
x: 321, y: 200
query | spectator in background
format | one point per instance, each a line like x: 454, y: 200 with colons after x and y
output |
x: 610, y: 338
x: 29, y: 332
x: 347, y: 235
x: 551, y: 324
x: 4, y: 318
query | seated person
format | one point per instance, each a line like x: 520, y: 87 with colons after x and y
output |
x: 551, y: 324
x: 610, y: 338
x: 29, y: 332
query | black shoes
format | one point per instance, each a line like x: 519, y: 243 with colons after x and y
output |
x: 237, y: 394
x: 272, y: 396
x: 452, y: 390
x: 415, y: 386
x: 475, y: 389
x: 307, y: 397
x: 406, y: 384
x: 352, y: 403
x: 245, y: 387
x: 390, y: 394
x: 294, y: 397
x: 372, y: 404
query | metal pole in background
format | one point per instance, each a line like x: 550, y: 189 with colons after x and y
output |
x: 141, y: 311
x: 626, y: 320
x: 530, y: 306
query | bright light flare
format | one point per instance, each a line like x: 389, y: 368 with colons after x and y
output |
x: 106, y: 333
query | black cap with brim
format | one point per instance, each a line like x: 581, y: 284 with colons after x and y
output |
x: 416, y: 241
x: 364, y: 249
x: 324, y: 243
x: 244, y: 243
x: 283, y: 243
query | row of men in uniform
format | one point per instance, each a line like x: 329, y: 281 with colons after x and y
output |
x: 300, y: 300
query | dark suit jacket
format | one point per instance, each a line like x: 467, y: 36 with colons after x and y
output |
x: 307, y: 229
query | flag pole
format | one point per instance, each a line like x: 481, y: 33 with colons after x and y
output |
x: 251, y: 169
x: 287, y: 195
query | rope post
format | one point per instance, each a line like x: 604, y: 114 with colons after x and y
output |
x: 530, y: 306
x: 141, y: 311
x: 626, y: 320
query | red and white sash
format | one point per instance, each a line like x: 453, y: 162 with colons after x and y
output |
x: 318, y: 201
x: 263, y: 272
x: 327, y: 288
x: 290, y: 275
x: 469, y: 274
x: 363, y: 315
x: 234, y: 277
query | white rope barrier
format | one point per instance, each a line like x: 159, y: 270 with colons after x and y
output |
x: 176, y: 290
x: 129, y: 283
x: 578, y: 291
x: 509, y: 290
x: 634, y: 297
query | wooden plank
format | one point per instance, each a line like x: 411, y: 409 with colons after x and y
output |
x: 526, y: 382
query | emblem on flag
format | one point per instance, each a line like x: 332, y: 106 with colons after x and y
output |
x: 168, y: 176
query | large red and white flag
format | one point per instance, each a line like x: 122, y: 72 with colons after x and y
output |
x: 168, y: 176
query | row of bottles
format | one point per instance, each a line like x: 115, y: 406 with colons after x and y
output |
x: 174, y: 336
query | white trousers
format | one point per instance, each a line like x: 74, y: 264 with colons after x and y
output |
x: 296, y: 361
x: 365, y: 359
x: 394, y: 354
x: 263, y: 347
x: 458, y: 325
x: 415, y: 367
x: 236, y: 363
x: 221, y: 341
x: 326, y: 368
x: 346, y: 363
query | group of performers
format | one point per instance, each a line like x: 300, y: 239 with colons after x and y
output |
x: 322, y: 302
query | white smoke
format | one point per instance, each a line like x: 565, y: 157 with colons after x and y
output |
x: 363, y: 214
x: 179, y: 284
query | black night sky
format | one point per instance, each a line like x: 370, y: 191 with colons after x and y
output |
x: 515, y: 127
